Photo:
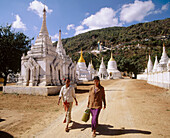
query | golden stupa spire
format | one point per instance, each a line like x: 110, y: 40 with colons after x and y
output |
x: 91, y: 64
x: 81, y: 59
x: 111, y: 58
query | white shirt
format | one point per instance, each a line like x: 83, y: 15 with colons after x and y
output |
x: 67, y: 93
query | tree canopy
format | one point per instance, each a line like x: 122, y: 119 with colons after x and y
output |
x: 12, y: 46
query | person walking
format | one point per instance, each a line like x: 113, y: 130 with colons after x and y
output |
x: 96, y: 97
x: 67, y: 93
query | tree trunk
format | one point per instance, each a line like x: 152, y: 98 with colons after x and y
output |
x: 5, y: 79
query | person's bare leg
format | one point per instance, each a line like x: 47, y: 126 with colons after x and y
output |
x: 94, y: 133
x: 65, y: 118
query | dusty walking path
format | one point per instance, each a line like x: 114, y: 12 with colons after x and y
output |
x: 134, y: 109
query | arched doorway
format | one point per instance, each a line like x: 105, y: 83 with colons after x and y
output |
x: 59, y: 76
x: 110, y: 74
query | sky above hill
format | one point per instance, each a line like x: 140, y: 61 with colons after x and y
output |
x: 74, y: 17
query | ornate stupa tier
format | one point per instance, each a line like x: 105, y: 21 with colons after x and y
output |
x: 155, y: 64
x: 82, y: 65
x: 164, y: 58
x: 44, y: 30
x: 149, y: 65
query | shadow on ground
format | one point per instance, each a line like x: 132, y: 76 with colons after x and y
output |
x: 114, y: 90
x: 1, y: 120
x: 5, y: 135
x: 81, y: 91
x: 82, y: 127
x: 108, y: 129
x: 85, y: 84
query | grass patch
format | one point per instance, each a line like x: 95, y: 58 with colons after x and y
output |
x: 167, y: 109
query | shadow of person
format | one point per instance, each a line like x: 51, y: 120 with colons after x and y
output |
x: 82, y: 127
x: 5, y: 135
x: 105, y: 130
x: 108, y: 130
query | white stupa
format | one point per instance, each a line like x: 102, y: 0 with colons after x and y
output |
x: 162, y: 66
x: 164, y: 58
x: 44, y: 63
x: 81, y: 69
x: 149, y: 65
x: 112, y: 70
x: 102, y: 70
x: 91, y: 70
x: 155, y: 65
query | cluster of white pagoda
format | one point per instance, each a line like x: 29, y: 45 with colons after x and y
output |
x: 85, y: 74
x: 159, y: 73
x: 46, y: 64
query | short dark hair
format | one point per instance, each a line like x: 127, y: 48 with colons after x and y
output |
x: 66, y: 79
x: 96, y: 78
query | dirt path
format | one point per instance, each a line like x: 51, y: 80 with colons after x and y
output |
x: 134, y: 109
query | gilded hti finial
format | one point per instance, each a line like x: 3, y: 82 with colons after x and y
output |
x: 81, y: 59
x: 44, y: 10
x: 111, y: 58
x: 91, y: 64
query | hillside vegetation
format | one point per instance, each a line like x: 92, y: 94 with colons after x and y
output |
x: 123, y: 41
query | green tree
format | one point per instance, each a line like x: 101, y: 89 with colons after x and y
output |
x: 12, y: 46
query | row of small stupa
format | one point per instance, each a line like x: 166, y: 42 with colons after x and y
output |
x: 162, y: 65
x: 85, y: 73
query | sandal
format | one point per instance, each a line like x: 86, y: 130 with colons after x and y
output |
x: 67, y: 130
x: 94, y: 135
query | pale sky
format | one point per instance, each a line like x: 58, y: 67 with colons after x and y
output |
x: 74, y: 17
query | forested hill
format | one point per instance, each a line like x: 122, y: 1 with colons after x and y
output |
x: 149, y: 35
x: 115, y: 35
